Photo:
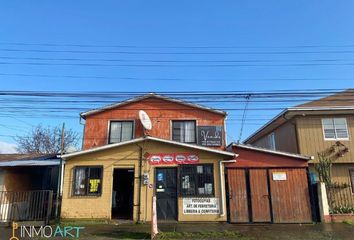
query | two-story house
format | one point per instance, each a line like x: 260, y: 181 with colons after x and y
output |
x: 324, y: 126
x: 122, y: 164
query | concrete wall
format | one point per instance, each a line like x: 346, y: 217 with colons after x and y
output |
x: 127, y: 157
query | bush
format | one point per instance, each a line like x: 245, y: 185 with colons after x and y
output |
x: 342, y: 209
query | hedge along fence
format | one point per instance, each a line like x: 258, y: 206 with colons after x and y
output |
x: 340, y: 198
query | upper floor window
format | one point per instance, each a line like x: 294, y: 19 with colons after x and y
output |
x: 335, y: 128
x: 120, y: 131
x: 184, y: 131
x: 271, y: 141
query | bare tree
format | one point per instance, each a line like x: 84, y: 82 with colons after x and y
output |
x: 46, y: 140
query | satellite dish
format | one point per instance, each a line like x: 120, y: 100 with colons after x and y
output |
x: 145, y: 120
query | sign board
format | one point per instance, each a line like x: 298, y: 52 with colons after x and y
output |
x: 201, y: 206
x: 172, y: 158
x: 210, y: 136
x: 279, y: 176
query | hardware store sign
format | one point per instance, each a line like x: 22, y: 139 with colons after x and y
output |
x: 201, y: 206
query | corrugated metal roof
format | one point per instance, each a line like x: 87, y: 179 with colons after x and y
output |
x: 26, y: 156
x: 28, y: 163
x: 139, y: 98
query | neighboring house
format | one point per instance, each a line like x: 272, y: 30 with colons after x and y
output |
x: 323, y: 126
x: 27, y: 185
x: 121, y: 166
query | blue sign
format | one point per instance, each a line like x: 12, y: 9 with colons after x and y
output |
x: 160, y: 177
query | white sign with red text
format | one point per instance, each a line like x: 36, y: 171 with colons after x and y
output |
x: 173, y: 158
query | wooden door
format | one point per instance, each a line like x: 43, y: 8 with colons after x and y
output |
x: 261, y: 211
x: 238, y: 203
x: 290, y: 195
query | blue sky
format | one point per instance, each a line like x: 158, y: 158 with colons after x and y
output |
x: 165, y: 27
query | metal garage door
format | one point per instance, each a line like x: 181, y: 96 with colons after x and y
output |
x: 268, y: 195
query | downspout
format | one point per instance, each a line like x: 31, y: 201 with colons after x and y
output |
x: 140, y: 174
x: 222, y: 184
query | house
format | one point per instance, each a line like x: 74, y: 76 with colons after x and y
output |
x: 122, y: 165
x: 324, y: 126
x: 28, y: 183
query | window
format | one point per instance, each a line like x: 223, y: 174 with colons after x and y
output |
x: 120, y: 131
x: 87, y: 181
x: 335, y: 128
x: 351, y: 173
x: 271, y: 141
x: 197, y: 180
x: 184, y: 131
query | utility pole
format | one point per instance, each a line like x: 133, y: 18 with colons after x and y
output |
x: 60, y: 174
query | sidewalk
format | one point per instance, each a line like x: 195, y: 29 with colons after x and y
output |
x: 340, y: 231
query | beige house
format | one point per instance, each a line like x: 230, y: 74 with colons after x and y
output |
x: 321, y: 126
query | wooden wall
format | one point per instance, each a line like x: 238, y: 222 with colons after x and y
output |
x: 161, y: 113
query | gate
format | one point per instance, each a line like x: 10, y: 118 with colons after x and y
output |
x: 278, y: 195
x: 26, y: 206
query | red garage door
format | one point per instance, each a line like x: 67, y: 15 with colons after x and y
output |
x: 269, y: 195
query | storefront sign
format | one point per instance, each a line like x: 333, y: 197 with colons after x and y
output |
x: 210, y: 136
x: 279, y: 176
x: 173, y: 158
x: 201, y: 206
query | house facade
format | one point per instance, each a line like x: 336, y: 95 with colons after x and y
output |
x: 325, y: 127
x: 122, y: 165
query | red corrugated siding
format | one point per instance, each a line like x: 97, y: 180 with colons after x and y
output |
x: 160, y: 111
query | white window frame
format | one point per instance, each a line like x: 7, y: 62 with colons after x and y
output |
x: 335, y: 133
x: 118, y: 120
x: 271, y: 140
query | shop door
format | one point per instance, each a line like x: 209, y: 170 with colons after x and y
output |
x: 166, y: 193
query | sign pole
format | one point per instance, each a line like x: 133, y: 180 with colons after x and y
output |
x: 154, y: 230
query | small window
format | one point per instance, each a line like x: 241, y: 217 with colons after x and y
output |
x: 184, y: 131
x: 335, y: 128
x: 271, y: 141
x: 197, y: 180
x: 120, y: 131
x: 351, y: 172
x: 87, y: 181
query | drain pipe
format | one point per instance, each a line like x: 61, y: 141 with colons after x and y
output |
x: 222, y: 184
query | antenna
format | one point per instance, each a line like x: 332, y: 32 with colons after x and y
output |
x: 145, y: 120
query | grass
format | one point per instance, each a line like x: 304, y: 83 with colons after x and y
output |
x: 201, y: 235
x: 349, y: 222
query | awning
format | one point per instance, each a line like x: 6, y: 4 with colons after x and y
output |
x: 52, y: 162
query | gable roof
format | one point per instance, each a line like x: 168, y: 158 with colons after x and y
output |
x: 150, y: 95
x: 137, y: 140
x: 339, y: 102
x: 265, y: 150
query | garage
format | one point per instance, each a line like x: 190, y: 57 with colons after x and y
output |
x: 265, y: 186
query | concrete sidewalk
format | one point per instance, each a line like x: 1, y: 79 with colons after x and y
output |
x: 94, y: 231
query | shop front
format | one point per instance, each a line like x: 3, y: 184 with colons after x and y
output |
x: 118, y: 181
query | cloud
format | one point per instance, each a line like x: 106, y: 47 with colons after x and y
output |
x: 7, y: 147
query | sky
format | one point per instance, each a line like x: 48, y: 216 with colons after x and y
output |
x: 160, y: 46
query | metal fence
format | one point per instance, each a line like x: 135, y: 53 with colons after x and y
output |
x: 341, y: 198
x: 26, y: 206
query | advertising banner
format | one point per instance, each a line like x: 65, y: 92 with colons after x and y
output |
x: 172, y: 158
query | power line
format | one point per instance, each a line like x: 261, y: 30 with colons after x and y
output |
x: 169, y: 79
